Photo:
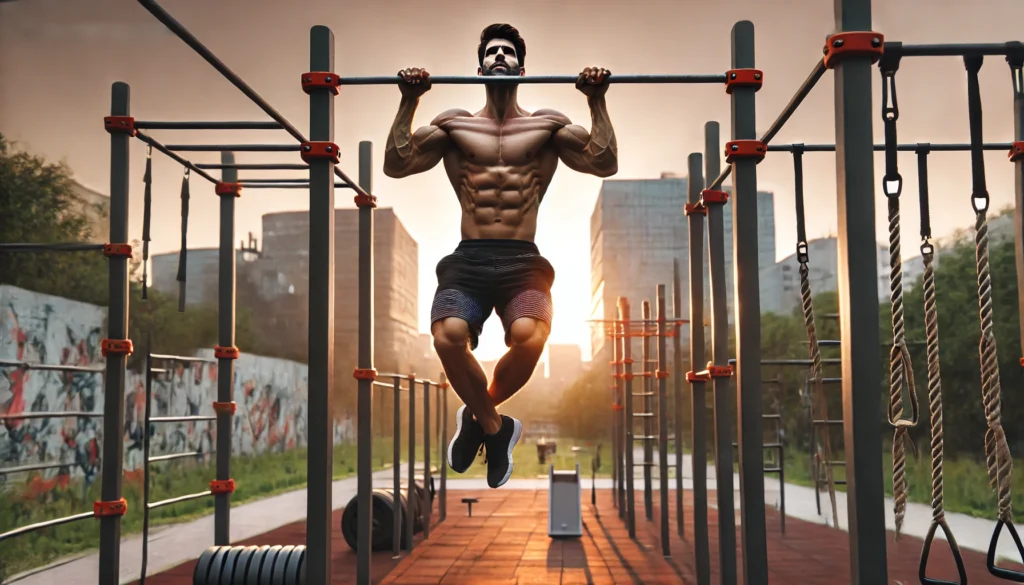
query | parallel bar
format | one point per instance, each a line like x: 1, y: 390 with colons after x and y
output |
x: 117, y: 330
x: 174, y: 456
x: 647, y: 402
x: 858, y: 303
x: 535, y: 79
x: 226, y: 295
x: 698, y: 389
x: 47, y: 524
x: 234, y: 147
x: 956, y: 49
x: 678, y: 377
x: 247, y: 185
x: 211, y: 125
x: 179, y: 499
x: 251, y: 182
x: 950, y: 147
x: 50, y: 367
x: 428, y: 510
x: 662, y: 368
x: 170, y: 419
x: 12, y: 247
x: 794, y: 362
x: 33, y: 467
x: 410, y: 501
x: 185, y: 163
x: 396, y: 468
x: 181, y: 358
x: 37, y: 415
x: 256, y: 167
x: 627, y: 373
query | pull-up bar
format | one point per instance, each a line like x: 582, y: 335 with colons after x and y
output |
x: 953, y: 147
x: 254, y: 166
x: 955, y: 49
x: 249, y: 185
x: 536, y: 79
x: 186, y: 163
x: 230, y: 125
x: 234, y: 147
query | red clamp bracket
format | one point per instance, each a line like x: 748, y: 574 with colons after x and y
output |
x: 743, y: 78
x: 1016, y: 151
x: 120, y: 125
x: 117, y: 250
x: 444, y: 386
x: 628, y: 377
x: 709, y: 196
x: 222, y: 189
x: 719, y: 371
x: 617, y: 407
x: 312, y: 151
x: 225, y: 353
x: 744, y: 149
x: 365, y: 374
x: 697, y: 208
x: 110, y: 347
x: 627, y: 361
x: 853, y: 44
x: 661, y: 374
x: 1022, y: 362
x: 365, y: 201
x: 321, y: 80
x: 106, y: 509
x: 227, y: 408
x: 222, y: 486
x: 696, y: 377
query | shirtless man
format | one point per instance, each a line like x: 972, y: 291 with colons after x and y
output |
x: 500, y: 162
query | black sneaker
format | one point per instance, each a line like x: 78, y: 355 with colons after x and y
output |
x: 469, y: 436
x: 499, y: 451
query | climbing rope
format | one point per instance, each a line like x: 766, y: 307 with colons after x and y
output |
x: 819, y: 405
x: 901, y: 370
x: 147, y: 205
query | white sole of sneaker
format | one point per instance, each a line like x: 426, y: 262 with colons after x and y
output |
x: 518, y: 430
x: 458, y: 431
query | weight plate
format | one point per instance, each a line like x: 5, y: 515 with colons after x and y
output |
x: 252, y: 574
x: 296, y: 564
x: 241, y: 566
x: 217, y: 565
x: 203, y: 566
x: 267, y: 570
x: 277, y: 577
x: 227, y: 568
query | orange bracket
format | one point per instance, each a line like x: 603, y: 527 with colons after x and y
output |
x: 312, y: 151
x: 853, y: 44
x: 661, y: 374
x: 223, y: 189
x: 617, y: 407
x: 225, y: 353
x: 120, y: 125
x: 627, y: 360
x: 696, y: 377
x: 365, y: 201
x: 445, y: 385
x: 227, y: 408
x: 105, y: 509
x: 709, y: 196
x: 627, y: 377
x: 1016, y: 151
x: 365, y: 374
x: 697, y: 208
x: 719, y: 371
x: 743, y: 78
x: 744, y: 149
x: 116, y: 347
x: 117, y: 250
x: 222, y: 486
x: 321, y: 80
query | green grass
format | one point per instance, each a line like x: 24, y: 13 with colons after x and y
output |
x: 527, y: 465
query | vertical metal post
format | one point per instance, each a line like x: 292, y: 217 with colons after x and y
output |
x: 225, y: 338
x: 320, y: 457
x: 661, y: 373
x: 617, y: 473
x: 678, y: 374
x: 646, y: 400
x: 396, y: 470
x: 117, y: 329
x: 627, y: 376
x: 428, y: 509
x: 1016, y: 62
x: 443, y: 502
x: 147, y: 414
x: 698, y: 395
x: 411, y: 501
x: 721, y: 386
x: 750, y: 430
x: 364, y: 415
x: 858, y: 303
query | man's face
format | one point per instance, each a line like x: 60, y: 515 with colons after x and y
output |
x: 500, y: 59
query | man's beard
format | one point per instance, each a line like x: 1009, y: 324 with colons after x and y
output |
x: 506, y: 70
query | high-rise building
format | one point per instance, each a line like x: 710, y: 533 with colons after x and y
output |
x: 202, y: 274
x: 565, y: 366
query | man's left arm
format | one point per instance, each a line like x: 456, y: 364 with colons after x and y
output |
x: 593, y: 152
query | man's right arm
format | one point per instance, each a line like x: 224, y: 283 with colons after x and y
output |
x: 407, y: 152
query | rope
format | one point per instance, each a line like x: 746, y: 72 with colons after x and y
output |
x: 147, y: 206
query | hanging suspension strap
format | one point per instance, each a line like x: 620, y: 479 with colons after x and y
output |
x: 819, y: 405
x: 147, y: 204
x: 931, y: 324
x: 900, y: 369
x: 183, y: 252
x: 997, y: 451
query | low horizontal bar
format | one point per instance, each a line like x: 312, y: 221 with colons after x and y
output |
x: 957, y: 49
x: 406, y: 377
x: 174, y: 456
x: 59, y: 414
x: 953, y: 147
x: 231, y: 125
x: 56, y: 247
x: 181, y: 358
x: 247, y: 185
x: 389, y: 386
x: 783, y: 362
x: 49, y: 367
x: 157, y: 370
x: 303, y: 181
x: 621, y: 321
x: 234, y: 147
x: 170, y: 419
x: 46, y: 524
x: 178, y: 500
x: 183, y: 162
x: 255, y: 166
x: 534, y: 79
x: 35, y: 467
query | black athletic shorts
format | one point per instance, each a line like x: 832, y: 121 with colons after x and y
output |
x: 508, y: 276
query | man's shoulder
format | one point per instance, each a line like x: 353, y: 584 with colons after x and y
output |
x: 553, y: 115
x: 449, y: 115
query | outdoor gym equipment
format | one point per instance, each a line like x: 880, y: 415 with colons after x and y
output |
x: 565, y: 503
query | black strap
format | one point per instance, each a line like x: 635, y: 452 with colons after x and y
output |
x: 183, y: 252
x: 798, y: 188
x: 892, y: 182
x: 147, y: 206
x: 922, y: 151
x: 979, y: 193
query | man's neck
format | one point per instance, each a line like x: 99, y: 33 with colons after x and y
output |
x: 501, y: 102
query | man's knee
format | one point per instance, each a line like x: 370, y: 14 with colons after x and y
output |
x: 529, y: 334
x: 450, y: 334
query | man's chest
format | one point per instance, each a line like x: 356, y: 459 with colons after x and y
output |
x: 517, y: 141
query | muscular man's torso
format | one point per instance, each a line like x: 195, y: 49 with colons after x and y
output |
x: 500, y: 170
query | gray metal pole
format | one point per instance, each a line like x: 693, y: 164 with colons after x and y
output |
x: 117, y: 330
x: 1016, y: 63
x: 721, y: 385
x: 750, y: 430
x: 320, y: 456
x: 364, y: 416
x: 627, y: 375
x: 411, y: 501
x: 858, y: 304
x: 396, y: 471
x: 645, y: 367
x: 226, y: 340
x: 677, y: 375
x: 661, y: 374
x: 698, y: 394
x: 443, y: 502
x: 428, y: 509
x: 617, y: 475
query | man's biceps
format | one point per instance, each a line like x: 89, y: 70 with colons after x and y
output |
x: 572, y: 137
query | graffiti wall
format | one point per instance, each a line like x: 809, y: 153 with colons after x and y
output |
x: 270, y: 394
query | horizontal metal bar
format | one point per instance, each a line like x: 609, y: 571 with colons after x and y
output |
x: 828, y: 422
x: 957, y: 49
x: 229, y: 125
x: 31, y: 415
x: 304, y: 181
x: 157, y: 370
x: 170, y: 419
x: 648, y: 321
x: 49, y: 367
x: 255, y: 166
x: 47, y: 524
x: 389, y: 386
x: 181, y: 358
x: 34, y: 467
x: 247, y: 185
x: 792, y: 362
x: 179, y: 499
x: 185, y: 163
x: 534, y: 79
x: 234, y: 147
x: 174, y: 456
x: 831, y: 380
x: 952, y: 147
x: 55, y: 247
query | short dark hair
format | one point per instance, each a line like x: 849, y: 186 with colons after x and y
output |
x: 506, y: 32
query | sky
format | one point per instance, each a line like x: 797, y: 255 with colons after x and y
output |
x: 58, y: 59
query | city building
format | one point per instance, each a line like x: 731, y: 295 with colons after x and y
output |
x: 95, y: 207
x: 565, y: 366
x: 202, y: 274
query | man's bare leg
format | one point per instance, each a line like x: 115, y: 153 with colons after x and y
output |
x: 527, y: 338
x: 467, y: 378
